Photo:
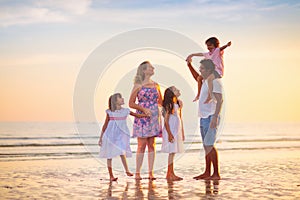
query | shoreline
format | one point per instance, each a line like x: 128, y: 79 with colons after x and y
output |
x: 263, y: 174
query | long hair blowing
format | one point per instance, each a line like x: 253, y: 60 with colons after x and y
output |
x: 140, y: 75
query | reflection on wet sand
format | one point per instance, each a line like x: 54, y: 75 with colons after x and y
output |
x: 110, y: 191
x: 147, y: 189
x: 212, y: 187
x: 172, y: 191
x: 139, y: 193
x: 138, y: 190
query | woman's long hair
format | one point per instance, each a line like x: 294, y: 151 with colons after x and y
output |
x: 113, y: 101
x: 168, y: 101
x: 140, y: 75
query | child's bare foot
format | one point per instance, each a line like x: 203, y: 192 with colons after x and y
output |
x: 129, y: 173
x: 173, y: 177
x: 138, y: 176
x: 202, y: 176
x: 178, y: 178
x: 208, y: 99
x: 196, y: 98
x: 113, y: 178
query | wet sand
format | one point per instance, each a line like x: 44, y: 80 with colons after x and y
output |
x: 251, y: 174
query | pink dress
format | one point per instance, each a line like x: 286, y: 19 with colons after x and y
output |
x: 148, y: 126
x: 217, y: 57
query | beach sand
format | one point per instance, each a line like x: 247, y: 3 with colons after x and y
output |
x: 246, y: 174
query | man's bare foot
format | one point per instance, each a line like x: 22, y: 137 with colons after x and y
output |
x: 214, y: 177
x: 138, y: 176
x: 129, y: 173
x: 113, y: 178
x: 208, y: 99
x: 202, y: 176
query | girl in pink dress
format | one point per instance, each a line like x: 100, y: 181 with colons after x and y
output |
x: 115, y: 136
x: 216, y: 55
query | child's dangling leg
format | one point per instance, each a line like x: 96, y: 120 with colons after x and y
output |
x: 210, y: 79
x: 124, y: 162
x: 199, y: 80
x: 109, y: 167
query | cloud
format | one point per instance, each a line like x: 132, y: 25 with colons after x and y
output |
x: 136, y: 12
x: 46, y: 11
x: 78, y: 8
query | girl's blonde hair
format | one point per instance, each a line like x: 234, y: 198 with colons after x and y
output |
x: 140, y: 75
x: 113, y: 101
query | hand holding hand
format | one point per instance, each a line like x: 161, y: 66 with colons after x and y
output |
x: 147, y: 112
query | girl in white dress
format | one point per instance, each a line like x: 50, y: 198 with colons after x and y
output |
x: 115, y: 136
x: 173, y: 133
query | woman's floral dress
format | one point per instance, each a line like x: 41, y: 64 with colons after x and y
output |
x: 148, y: 126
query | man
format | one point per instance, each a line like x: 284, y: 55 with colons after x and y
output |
x: 209, y: 114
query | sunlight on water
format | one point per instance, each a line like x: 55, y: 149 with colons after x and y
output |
x: 55, y: 140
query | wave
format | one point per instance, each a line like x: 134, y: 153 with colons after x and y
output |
x: 73, y: 155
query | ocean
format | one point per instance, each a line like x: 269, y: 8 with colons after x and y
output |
x: 50, y: 140
x: 55, y: 161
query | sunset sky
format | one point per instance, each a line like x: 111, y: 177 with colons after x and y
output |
x: 43, y: 45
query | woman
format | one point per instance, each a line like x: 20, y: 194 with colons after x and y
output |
x: 146, y: 129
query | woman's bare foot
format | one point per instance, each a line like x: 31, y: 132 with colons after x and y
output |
x: 129, y: 173
x: 202, y: 176
x: 151, y: 177
x: 113, y: 178
x: 138, y: 176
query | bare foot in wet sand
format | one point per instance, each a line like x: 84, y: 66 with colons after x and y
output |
x: 113, y: 179
x: 173, y: 178
x: 202, y: 176
x: 129, y: 174
x: 152, y: 178
x: 138, y: 176
x: 214, y: 177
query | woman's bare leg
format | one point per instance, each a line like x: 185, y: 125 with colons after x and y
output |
x: 142, y: 142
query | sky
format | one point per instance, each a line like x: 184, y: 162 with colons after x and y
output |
x: 45, y: 43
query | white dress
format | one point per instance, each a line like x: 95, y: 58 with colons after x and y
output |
x: 176, y: 130
x: 116, y: 138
